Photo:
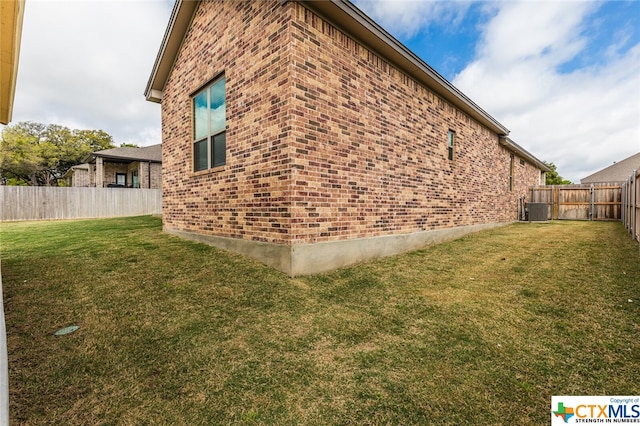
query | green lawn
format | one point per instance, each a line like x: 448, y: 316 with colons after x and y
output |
x: 481, y: 330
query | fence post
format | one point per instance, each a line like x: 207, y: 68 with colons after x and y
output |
x: 592, y: 204
x: 623, y: 204
x: 555, y: 200
x: 635, y: 208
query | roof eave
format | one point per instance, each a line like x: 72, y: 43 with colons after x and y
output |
x: 122, y: 158
x: 517, y: 149
x: 353, y: 21
x: 349, y: 19
x: 11, y: 18
x: 128, y: 159
x: 179, y: 22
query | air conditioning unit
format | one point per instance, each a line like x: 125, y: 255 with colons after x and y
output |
x: 537, y: 212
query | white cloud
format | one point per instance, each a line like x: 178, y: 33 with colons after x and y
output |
x: 85, y: 64
x: 581, y: 120
x: 406, y: 18
x: 547, y: 31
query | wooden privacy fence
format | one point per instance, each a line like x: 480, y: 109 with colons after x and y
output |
x: 595, y: 201
x: 42, y: 203
x: 631, y: 204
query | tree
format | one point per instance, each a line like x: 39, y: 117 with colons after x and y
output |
x: 553, y: 178
x: 37, y: 154
x: 20, y: 161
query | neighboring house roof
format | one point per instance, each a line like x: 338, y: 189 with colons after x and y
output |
x: 617, y: 172
x: 11, y: 16
x: 151, y: 153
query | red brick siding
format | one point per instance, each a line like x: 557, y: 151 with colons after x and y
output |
x: 110, y: 170
x: 370, y: 147
x: 248, y: 197
x: 147, y: 172
x: 81, y: 177
x: 156, y: 176
x: 325, y: 140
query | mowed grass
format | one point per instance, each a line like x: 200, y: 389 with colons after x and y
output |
x: 481, y: 330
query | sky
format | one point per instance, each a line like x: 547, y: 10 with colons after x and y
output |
x: 562, y: 75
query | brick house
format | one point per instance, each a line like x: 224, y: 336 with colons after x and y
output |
x: 126, y: 167
x: 304, y: 135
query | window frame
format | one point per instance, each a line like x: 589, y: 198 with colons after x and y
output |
x: 124, y: 176
x: 214, y: 136
x: 135, y: 179
x: 451, y: 145
x: 512, y: 160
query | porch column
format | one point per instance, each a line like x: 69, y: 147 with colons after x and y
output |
x: 143, y: 175
x: 99, y: 173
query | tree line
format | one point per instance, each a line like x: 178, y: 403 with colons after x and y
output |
x: 39, y: 155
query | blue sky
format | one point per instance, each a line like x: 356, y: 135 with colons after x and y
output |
x: 562, y: 75
x: 449, y: 45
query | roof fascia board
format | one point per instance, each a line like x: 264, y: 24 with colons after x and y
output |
x: 517, y: 149
x: 349, y: 19
x: 11, y: 16
x: 179, y: 23
x: 354, y: 22
x: 91, y: 158
x: 107, y: 156
x: 129, y: 159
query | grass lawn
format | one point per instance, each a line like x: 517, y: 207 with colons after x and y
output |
x: 481, y: 330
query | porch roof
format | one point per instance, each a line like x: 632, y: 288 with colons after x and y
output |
x: 151, y: 153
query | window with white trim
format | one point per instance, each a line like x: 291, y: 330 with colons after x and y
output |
x: 209, y: 126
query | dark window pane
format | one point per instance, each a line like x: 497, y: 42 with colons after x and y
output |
x: 219, y: 150
x: 200, y: 155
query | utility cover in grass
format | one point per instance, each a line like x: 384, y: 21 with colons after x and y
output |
x: 66, y: 330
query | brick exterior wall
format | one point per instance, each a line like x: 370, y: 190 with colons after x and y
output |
x: 110, y: 170
x: 326, y: 141
x: 370, y: 147
x: 82, y: 177
x: 248, y: 198
x: 149, y: 174
x: 156, y: 176
x: 86, y: 178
